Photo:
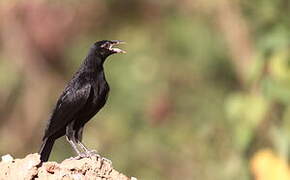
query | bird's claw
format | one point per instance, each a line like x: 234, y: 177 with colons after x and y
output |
x: 108, y: 161
x: 84, y: 155
x: 92, y: 153
x: 80, y: 156
x: 77, y: 157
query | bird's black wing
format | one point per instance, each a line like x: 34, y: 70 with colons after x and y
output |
x: 70, y: 102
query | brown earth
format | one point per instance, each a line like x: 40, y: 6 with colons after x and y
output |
x: 30, y: 168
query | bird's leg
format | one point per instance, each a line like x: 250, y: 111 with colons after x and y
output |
x: 91, y: 153
x: 83, y: 146
x: 78, y: 137
x: 88, y: 152
x: 70, y: 136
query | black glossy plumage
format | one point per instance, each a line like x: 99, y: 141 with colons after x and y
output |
x: 83, y: 97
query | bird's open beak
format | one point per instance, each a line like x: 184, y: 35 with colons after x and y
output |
x: 114, y: 49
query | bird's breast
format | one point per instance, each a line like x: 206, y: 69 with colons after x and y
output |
x: 101, y: 94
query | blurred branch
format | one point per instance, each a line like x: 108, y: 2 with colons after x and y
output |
x: 261, y: 138
x: 236, y: 32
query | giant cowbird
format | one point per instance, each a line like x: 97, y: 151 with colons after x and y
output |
x: 85, y: 94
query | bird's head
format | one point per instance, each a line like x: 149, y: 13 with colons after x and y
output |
x: 106, y: 47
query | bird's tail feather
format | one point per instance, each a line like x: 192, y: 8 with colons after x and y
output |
x: 46, y: 148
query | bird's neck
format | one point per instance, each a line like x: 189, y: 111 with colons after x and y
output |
x: 93, y: 63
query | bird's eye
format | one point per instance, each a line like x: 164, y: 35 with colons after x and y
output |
x: 105, y: 45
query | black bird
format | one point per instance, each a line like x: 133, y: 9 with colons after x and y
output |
x: 82, y: 98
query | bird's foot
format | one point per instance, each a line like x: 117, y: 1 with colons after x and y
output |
x: 84, y: 155
x: 80, y: 156
x: 107, y: 161
x: 76, y: 158
x: 93, y: 153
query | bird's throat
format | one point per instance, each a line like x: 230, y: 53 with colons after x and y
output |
x: 94, y: 63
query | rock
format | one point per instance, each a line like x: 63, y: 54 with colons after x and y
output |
x: 30, y: 168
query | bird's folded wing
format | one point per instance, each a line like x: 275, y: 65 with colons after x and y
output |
x: 67, y: 106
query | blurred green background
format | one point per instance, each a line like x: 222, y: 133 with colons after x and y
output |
x: 203, y: 92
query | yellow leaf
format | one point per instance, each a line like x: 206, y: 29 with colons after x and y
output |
x: 265, y: 165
